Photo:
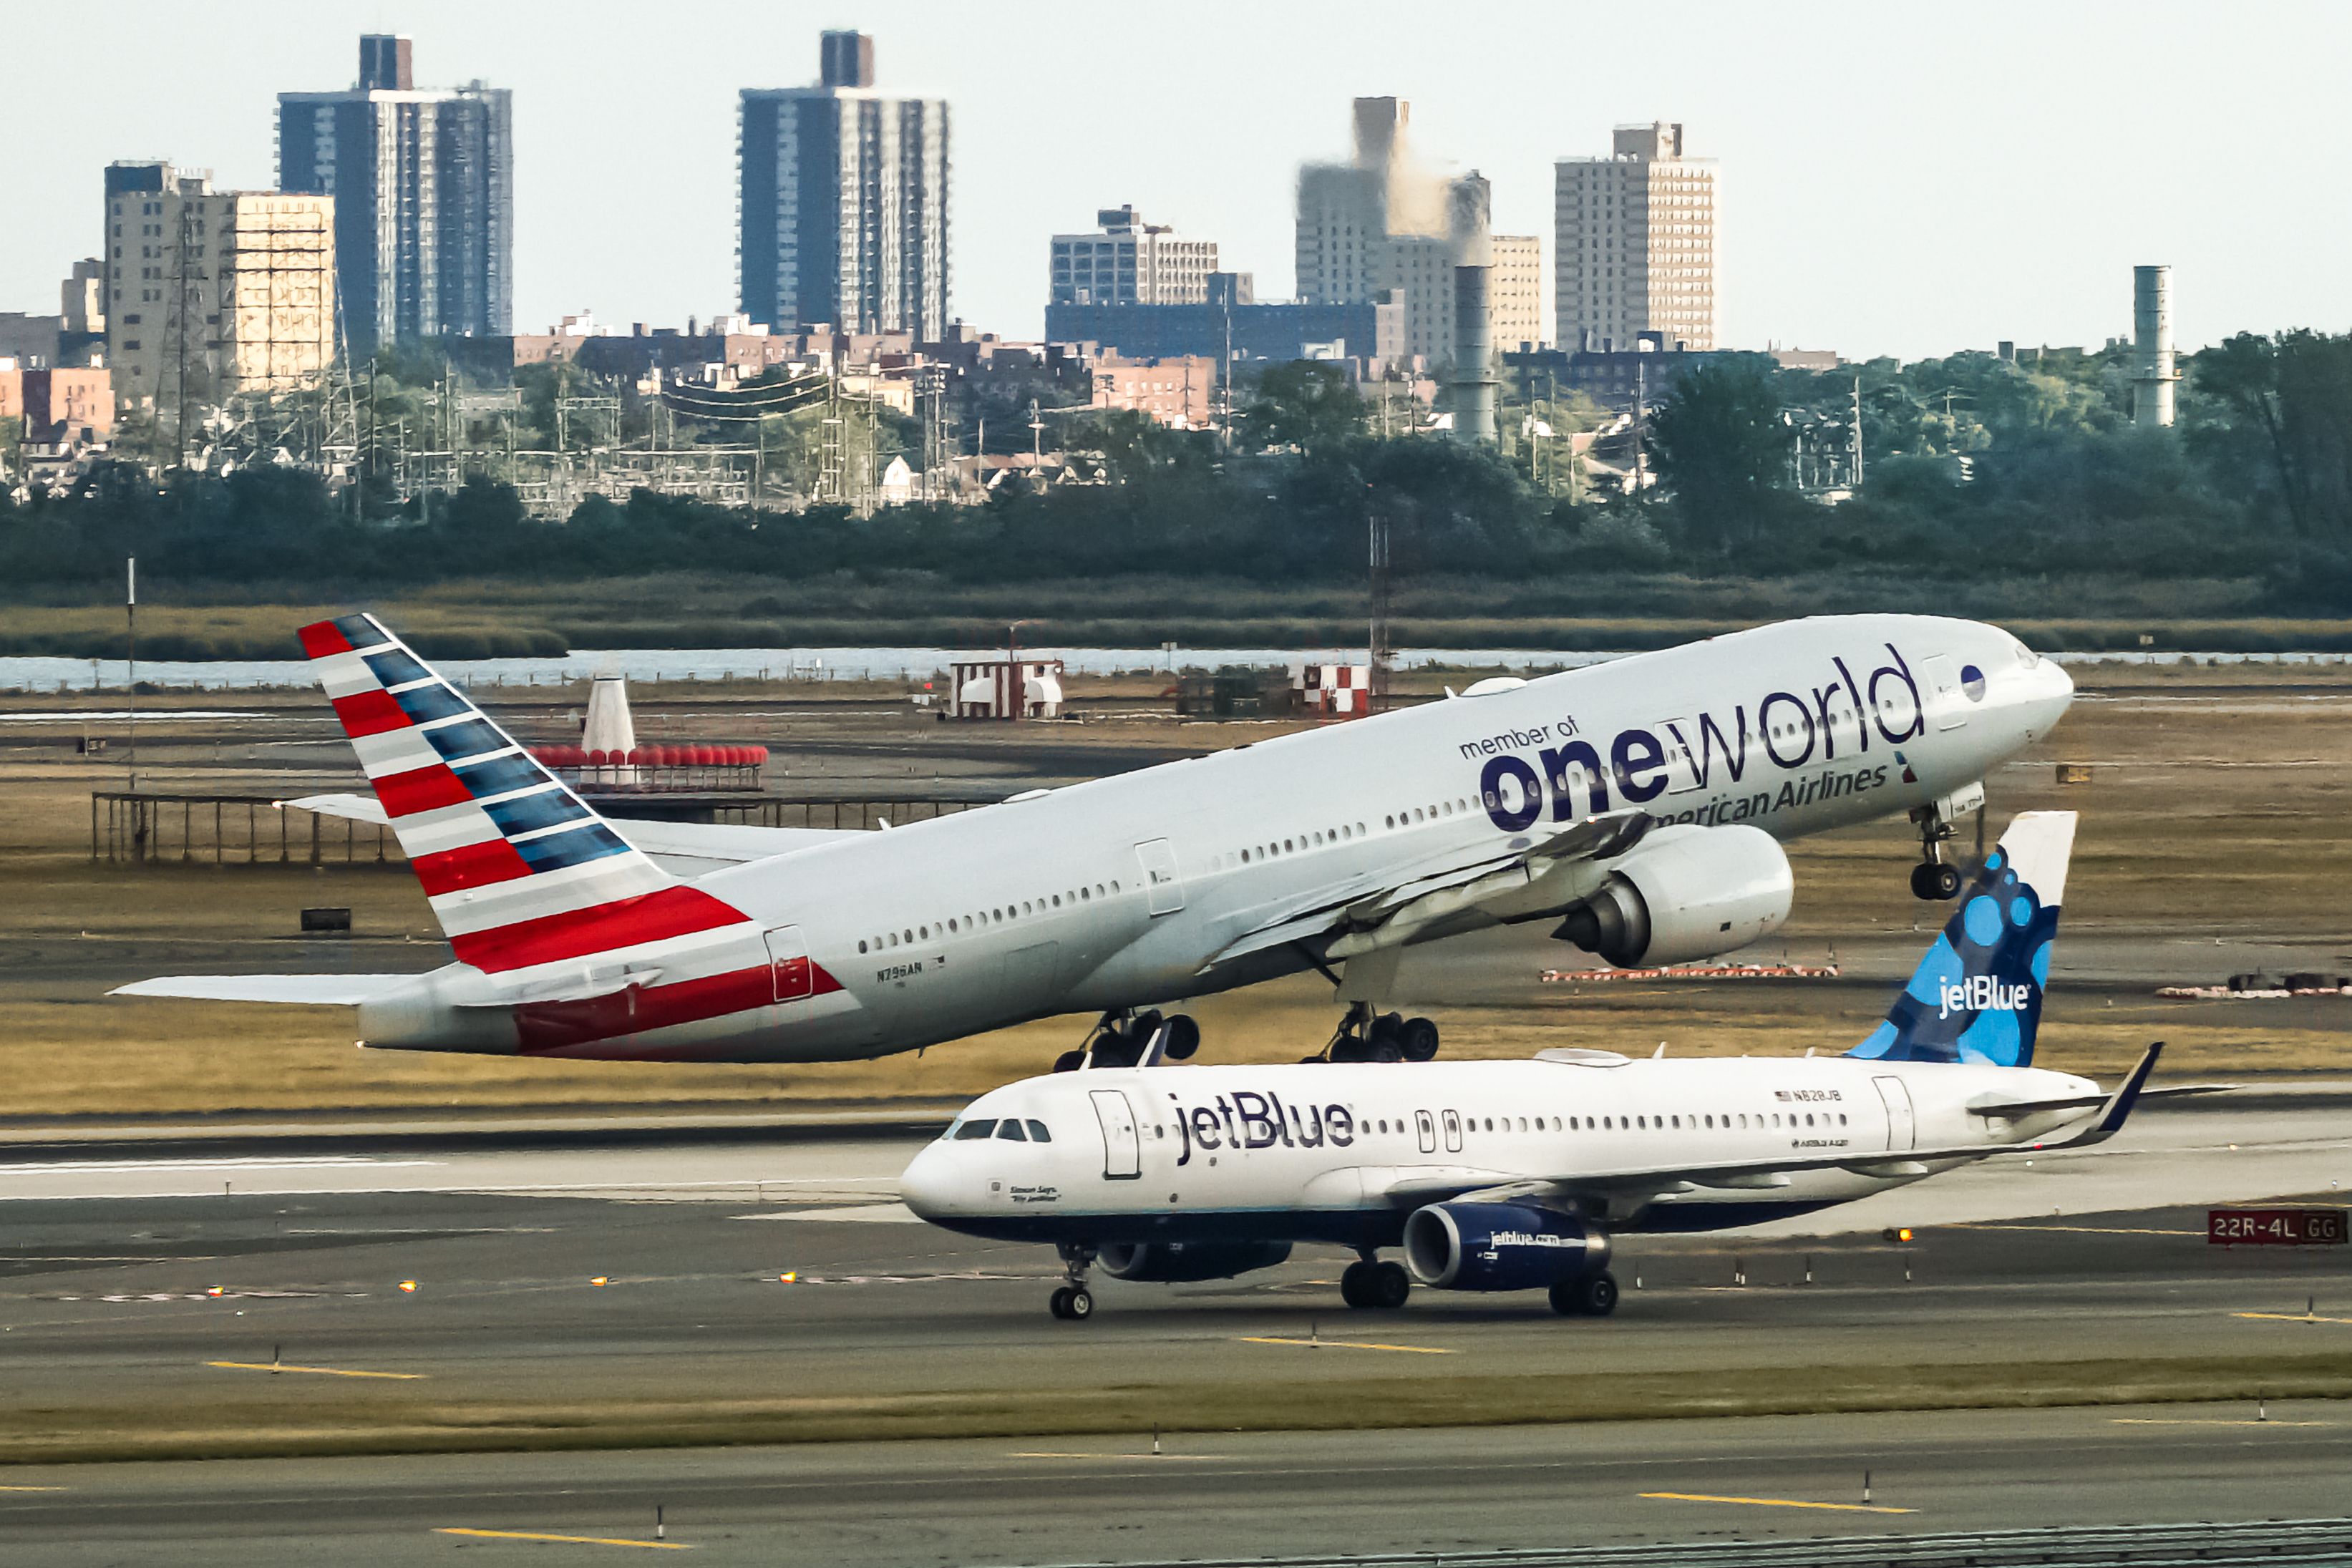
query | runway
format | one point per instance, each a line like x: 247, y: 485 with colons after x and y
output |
x: 646, y: 1290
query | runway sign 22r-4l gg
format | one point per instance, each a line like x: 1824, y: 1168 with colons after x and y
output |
x: 2275, y: 1226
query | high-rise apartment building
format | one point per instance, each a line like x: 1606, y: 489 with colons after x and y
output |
x: 424, y: 188
x: 1381, y: 222
x: 1636, y: 246
x: 1515, y: 294
x: 1126, y: 261
x: 216, y: 292
x: 843, y: 207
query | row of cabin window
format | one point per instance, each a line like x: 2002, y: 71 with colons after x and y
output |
x: 956, y: 925
x: 1629, y: 1123
x: 1308, y: 840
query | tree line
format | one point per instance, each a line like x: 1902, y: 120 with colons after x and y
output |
x: 1977, y: 468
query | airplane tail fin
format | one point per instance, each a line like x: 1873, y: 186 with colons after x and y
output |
x: 519, y: 870
x: 1977, y: 995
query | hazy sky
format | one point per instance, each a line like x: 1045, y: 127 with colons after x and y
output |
x: 1899, y: 179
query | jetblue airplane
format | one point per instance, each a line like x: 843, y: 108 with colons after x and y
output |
x: 1508, y: 1175
x: 1639, y: 804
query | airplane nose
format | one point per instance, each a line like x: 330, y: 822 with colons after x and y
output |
x: 927, y: 1184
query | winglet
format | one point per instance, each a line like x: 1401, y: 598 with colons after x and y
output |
x: 2119, y: 1104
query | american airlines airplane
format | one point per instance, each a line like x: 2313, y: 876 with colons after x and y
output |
x: 1638, y: 805
x: 1509, y: 1175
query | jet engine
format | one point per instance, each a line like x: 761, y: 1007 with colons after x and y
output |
x: 1499, y: 1247
x: 1685, y: 892
x: 1180, y: 1263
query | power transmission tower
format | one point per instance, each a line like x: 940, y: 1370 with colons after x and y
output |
x: 829, y: 476
x: 938, y: 457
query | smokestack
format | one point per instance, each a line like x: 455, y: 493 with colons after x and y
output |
x: 1474, y: 349
x: 2152, y: 375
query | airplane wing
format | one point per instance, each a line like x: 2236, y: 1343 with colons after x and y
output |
x: 308, y: 991
x: 682, y: 849
x: 1405, y: 911
x: 1621, y: 1193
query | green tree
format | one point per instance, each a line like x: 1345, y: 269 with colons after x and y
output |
x: 1305, y: 403
x: 1721, y: 448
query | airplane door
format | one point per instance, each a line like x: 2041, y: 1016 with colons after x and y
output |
x: 788, y: 964
x: 1122, y: 1147
x: 1902, y: 1122
x: 1427, y: 1127
x: 1453, y: 1132
x: 1944, y: 691
x: 1682, y: 769
x: 1163, y: 889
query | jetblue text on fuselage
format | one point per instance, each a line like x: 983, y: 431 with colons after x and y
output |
x: 1795, y: 730
x: 1246, y: 1119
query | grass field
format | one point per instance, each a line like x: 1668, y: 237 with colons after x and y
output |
x: 407, y: 1418
x: 684, y: 610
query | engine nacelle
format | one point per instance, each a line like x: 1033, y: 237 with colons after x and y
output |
x: 1499, y: 1247
x: 1182, y: 1262
x: 1685, y: 892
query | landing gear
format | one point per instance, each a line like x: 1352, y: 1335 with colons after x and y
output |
x: 1374, y: 1286
x: 1590, y: 1295
x: 1121, y: 1039
x: 1073, y: 1302
x: 1935, y: 879
x: 1367, y: 1036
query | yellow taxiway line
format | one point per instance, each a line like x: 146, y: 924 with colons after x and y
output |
x: 567, y: 1540
x: 32, y: 1489
x: 1774, y: 1502
x: 2290, y: 1318
x: 316, y: 1370
x: 1343, y: 1344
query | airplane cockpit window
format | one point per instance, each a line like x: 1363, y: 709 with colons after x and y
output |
x: 1010, y: 1131
x: 1037, y: 1133
x: 978, y: 1129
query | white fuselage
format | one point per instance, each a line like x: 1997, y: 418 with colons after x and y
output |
x: 1124, y: 892
x: 1337, y: 1152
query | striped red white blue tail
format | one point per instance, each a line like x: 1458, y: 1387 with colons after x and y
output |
x: 520, y: 870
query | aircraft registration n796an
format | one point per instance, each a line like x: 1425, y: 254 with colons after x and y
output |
x: 1639, y: 804
x: 1506, y: 1176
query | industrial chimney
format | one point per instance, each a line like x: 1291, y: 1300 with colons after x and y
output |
x: 1474, y: 355
x: 2152, y: 373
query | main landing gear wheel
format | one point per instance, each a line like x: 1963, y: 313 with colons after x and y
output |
x: 1587, y: 1296
x: 1379, y: 1287
x: 1366, y: 1036
x: 1119, y: 1042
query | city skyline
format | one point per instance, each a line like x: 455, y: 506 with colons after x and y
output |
x: 1897, y: 184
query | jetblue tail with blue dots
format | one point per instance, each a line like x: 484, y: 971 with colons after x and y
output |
x: 1977, y: 995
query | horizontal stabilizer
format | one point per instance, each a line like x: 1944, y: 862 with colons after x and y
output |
x: 2013, y: 1110
x: 309, y: 990
x: 686, y: 850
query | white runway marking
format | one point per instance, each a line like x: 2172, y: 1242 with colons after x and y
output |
x: 869, y: 1213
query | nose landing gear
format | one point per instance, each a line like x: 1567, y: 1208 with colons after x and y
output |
x: 1935, y: 879
x: 1073, y: 1302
